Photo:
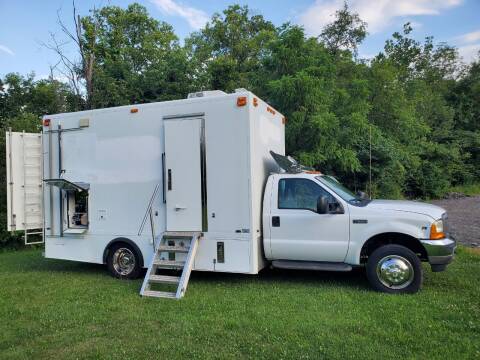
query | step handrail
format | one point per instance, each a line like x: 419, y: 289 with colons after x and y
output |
x: 149, y: 207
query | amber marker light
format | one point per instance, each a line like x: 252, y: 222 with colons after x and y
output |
x: 242, y: 101
x: 436, y: 230
x: 134, y: 110
x: 46, y: 122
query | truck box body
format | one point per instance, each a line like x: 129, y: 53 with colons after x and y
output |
x: 207, y: 156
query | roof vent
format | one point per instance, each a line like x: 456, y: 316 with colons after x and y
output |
x: 206, y: 94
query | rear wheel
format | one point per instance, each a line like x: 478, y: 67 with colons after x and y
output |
x: 395, y: 269
x: 123, y: 261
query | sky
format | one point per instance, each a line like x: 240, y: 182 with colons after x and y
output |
x: 27, y: 24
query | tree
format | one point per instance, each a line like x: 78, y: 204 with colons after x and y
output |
x: 138, y: 59
x: 345, y: 33
x: 228, y: 51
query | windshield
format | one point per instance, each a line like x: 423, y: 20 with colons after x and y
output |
x: 338, y: 188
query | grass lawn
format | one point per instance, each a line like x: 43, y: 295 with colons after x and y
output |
x: 59, y: 309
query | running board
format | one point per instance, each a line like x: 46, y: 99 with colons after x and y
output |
x: 311, y: 265
x: 158, y: 262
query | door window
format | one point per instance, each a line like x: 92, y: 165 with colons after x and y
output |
x: 300, y: 194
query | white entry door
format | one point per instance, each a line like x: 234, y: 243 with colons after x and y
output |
x: 183, y: 174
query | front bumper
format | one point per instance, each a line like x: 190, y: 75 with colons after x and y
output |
x: 440, y: 252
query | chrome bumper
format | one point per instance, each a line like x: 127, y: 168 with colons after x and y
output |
x: 440, y: 252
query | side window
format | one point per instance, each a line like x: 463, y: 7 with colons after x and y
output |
x: 300, y: 194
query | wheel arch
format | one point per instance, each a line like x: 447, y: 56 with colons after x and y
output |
x: 122, y: 240
x: 397, y: 238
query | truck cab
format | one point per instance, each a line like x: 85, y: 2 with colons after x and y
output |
x: 311, y: 221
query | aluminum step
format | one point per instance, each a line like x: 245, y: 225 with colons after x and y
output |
x: 164, y: 279
x: 159, y: 294
x: 179, y: 249
x: 169, y: 264
x: 156, y: 263
x: 183, y: 234
x: 311, y: 265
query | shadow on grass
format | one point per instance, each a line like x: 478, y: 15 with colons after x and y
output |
x: 353, y: 279
x: 35, y: 262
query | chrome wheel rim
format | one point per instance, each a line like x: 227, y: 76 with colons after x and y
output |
x: 395, y: 272
x: 123, y: 261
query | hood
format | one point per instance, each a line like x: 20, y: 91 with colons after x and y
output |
x: 408, y: 206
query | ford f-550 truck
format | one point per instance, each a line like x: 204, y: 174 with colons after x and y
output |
x: 203, y: 184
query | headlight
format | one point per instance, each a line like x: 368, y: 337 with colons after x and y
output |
x: 436, y: 230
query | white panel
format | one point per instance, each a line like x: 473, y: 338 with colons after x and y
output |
x: 236, y: 255
x: 24, y: 181
x: 183, y: 175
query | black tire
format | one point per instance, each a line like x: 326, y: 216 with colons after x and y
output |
x: 123, y: 261
x: 395, y: 269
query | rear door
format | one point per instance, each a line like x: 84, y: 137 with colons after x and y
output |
x: 183, y: 167
x: 24, y: 180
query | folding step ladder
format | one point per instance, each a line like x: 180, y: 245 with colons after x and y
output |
x: 32, y: 187
x: 174, y: 251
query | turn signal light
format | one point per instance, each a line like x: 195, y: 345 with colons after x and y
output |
x: 46, y: 122
x: 242, y: 101
x: 436, y: 230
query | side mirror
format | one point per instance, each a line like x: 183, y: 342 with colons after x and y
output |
x: 361, y: 195
x: 322, y: 205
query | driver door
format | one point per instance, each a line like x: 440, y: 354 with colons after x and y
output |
x: 298, y: 232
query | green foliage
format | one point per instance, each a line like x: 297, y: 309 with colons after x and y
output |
x: 346, y: 32
x: 228, y: 51
x: 137, y: 58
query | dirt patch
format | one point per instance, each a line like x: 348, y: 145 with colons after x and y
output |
x: 463, y: 218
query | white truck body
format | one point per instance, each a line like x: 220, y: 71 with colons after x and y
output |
x: 117, y: 153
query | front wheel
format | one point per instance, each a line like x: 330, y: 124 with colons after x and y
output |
x: 395, y: 269
x: 123, y: 261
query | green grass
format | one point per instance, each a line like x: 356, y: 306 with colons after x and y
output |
x: 468, y: 189
x: 65, y: 310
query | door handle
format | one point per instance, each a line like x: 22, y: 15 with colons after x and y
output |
x: 169, y: 180
x: 276, y: 221
x: 178, y: 208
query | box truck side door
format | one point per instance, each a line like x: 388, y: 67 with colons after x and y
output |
x: 297, y: 231
x: 183, y: 167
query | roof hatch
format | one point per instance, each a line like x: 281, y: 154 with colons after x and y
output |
x: 289, y: 164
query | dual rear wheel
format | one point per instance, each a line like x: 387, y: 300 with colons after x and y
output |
x: 123, y: 261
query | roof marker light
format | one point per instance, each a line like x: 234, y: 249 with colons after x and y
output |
x: 242, y: 101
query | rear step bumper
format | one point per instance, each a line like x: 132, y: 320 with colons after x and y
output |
x: 310, y: 265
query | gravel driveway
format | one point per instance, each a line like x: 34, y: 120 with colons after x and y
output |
x: 463, y: 218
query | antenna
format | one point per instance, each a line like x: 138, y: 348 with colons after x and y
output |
x: 370, y: 159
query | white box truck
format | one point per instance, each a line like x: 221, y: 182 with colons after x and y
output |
x: 203, y: 184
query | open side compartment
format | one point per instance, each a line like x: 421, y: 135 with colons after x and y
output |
x: 74, y: 205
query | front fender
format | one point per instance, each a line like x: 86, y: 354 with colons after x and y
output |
x: 403, y: 223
